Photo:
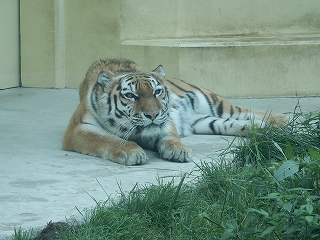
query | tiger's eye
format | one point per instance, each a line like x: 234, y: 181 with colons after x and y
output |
x: 158, y: 92
x: 129, y: 95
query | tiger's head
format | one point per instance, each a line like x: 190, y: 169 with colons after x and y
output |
x: 134, y: 103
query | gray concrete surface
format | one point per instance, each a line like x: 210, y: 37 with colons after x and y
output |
x: 40, y: 182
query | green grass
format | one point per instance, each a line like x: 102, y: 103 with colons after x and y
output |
x: 270, y: 190
x: 20, y: 234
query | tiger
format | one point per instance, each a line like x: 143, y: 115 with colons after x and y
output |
x: 125, y: 109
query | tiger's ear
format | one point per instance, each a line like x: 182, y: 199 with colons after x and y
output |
x: 160, y: 70
x: 103, y: 79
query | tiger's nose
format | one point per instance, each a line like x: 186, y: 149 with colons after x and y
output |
x: 151, y: 116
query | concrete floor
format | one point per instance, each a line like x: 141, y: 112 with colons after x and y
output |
x: 40, y: 182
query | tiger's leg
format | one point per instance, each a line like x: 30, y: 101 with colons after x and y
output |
x: 238, y: 123
x: 221, y: 126
x: 92, y: 140
x: 208, y: 103
x: 171, y: 148
x: 260, y: 119
x: 272, y: 119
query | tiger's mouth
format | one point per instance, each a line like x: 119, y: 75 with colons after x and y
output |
x: 150, y: 127
x: 143, y: 120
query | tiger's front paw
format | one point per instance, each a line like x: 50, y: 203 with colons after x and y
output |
x: 175, y: 151
x: 129, y: 154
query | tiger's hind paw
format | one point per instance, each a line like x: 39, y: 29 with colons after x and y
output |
x: 277, y: 120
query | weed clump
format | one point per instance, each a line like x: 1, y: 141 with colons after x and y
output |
x: 275, y: 143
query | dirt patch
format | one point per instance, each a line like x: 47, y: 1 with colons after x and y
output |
x: 53, y: 231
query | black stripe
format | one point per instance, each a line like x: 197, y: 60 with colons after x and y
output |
x: 177, y: 86
x: 81, y: 121
x: 231, y: 111
x: 128, y: 78
x: 156, y: 142
x: 167, y: 96
x: 198, y: 120
x: 191, y: 99
x: 206, y: 97
x: 124, y: 129
x: 211, y: 126
x: 112, y: 122
x: 123, y: 104
x: 146, y: 75
x: 94, y: 97
x: 214, y: 98
x: 220, y: 109
x: 238, y: 108
x: 119, y: 87
x: 239, y: 112
x: 118, y: 112
x: 130, y: 85
x: 109, y: 104
x: 226, y: 120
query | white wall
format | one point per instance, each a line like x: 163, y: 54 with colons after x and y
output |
x: 9, y: 44
x: 142, y: 19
